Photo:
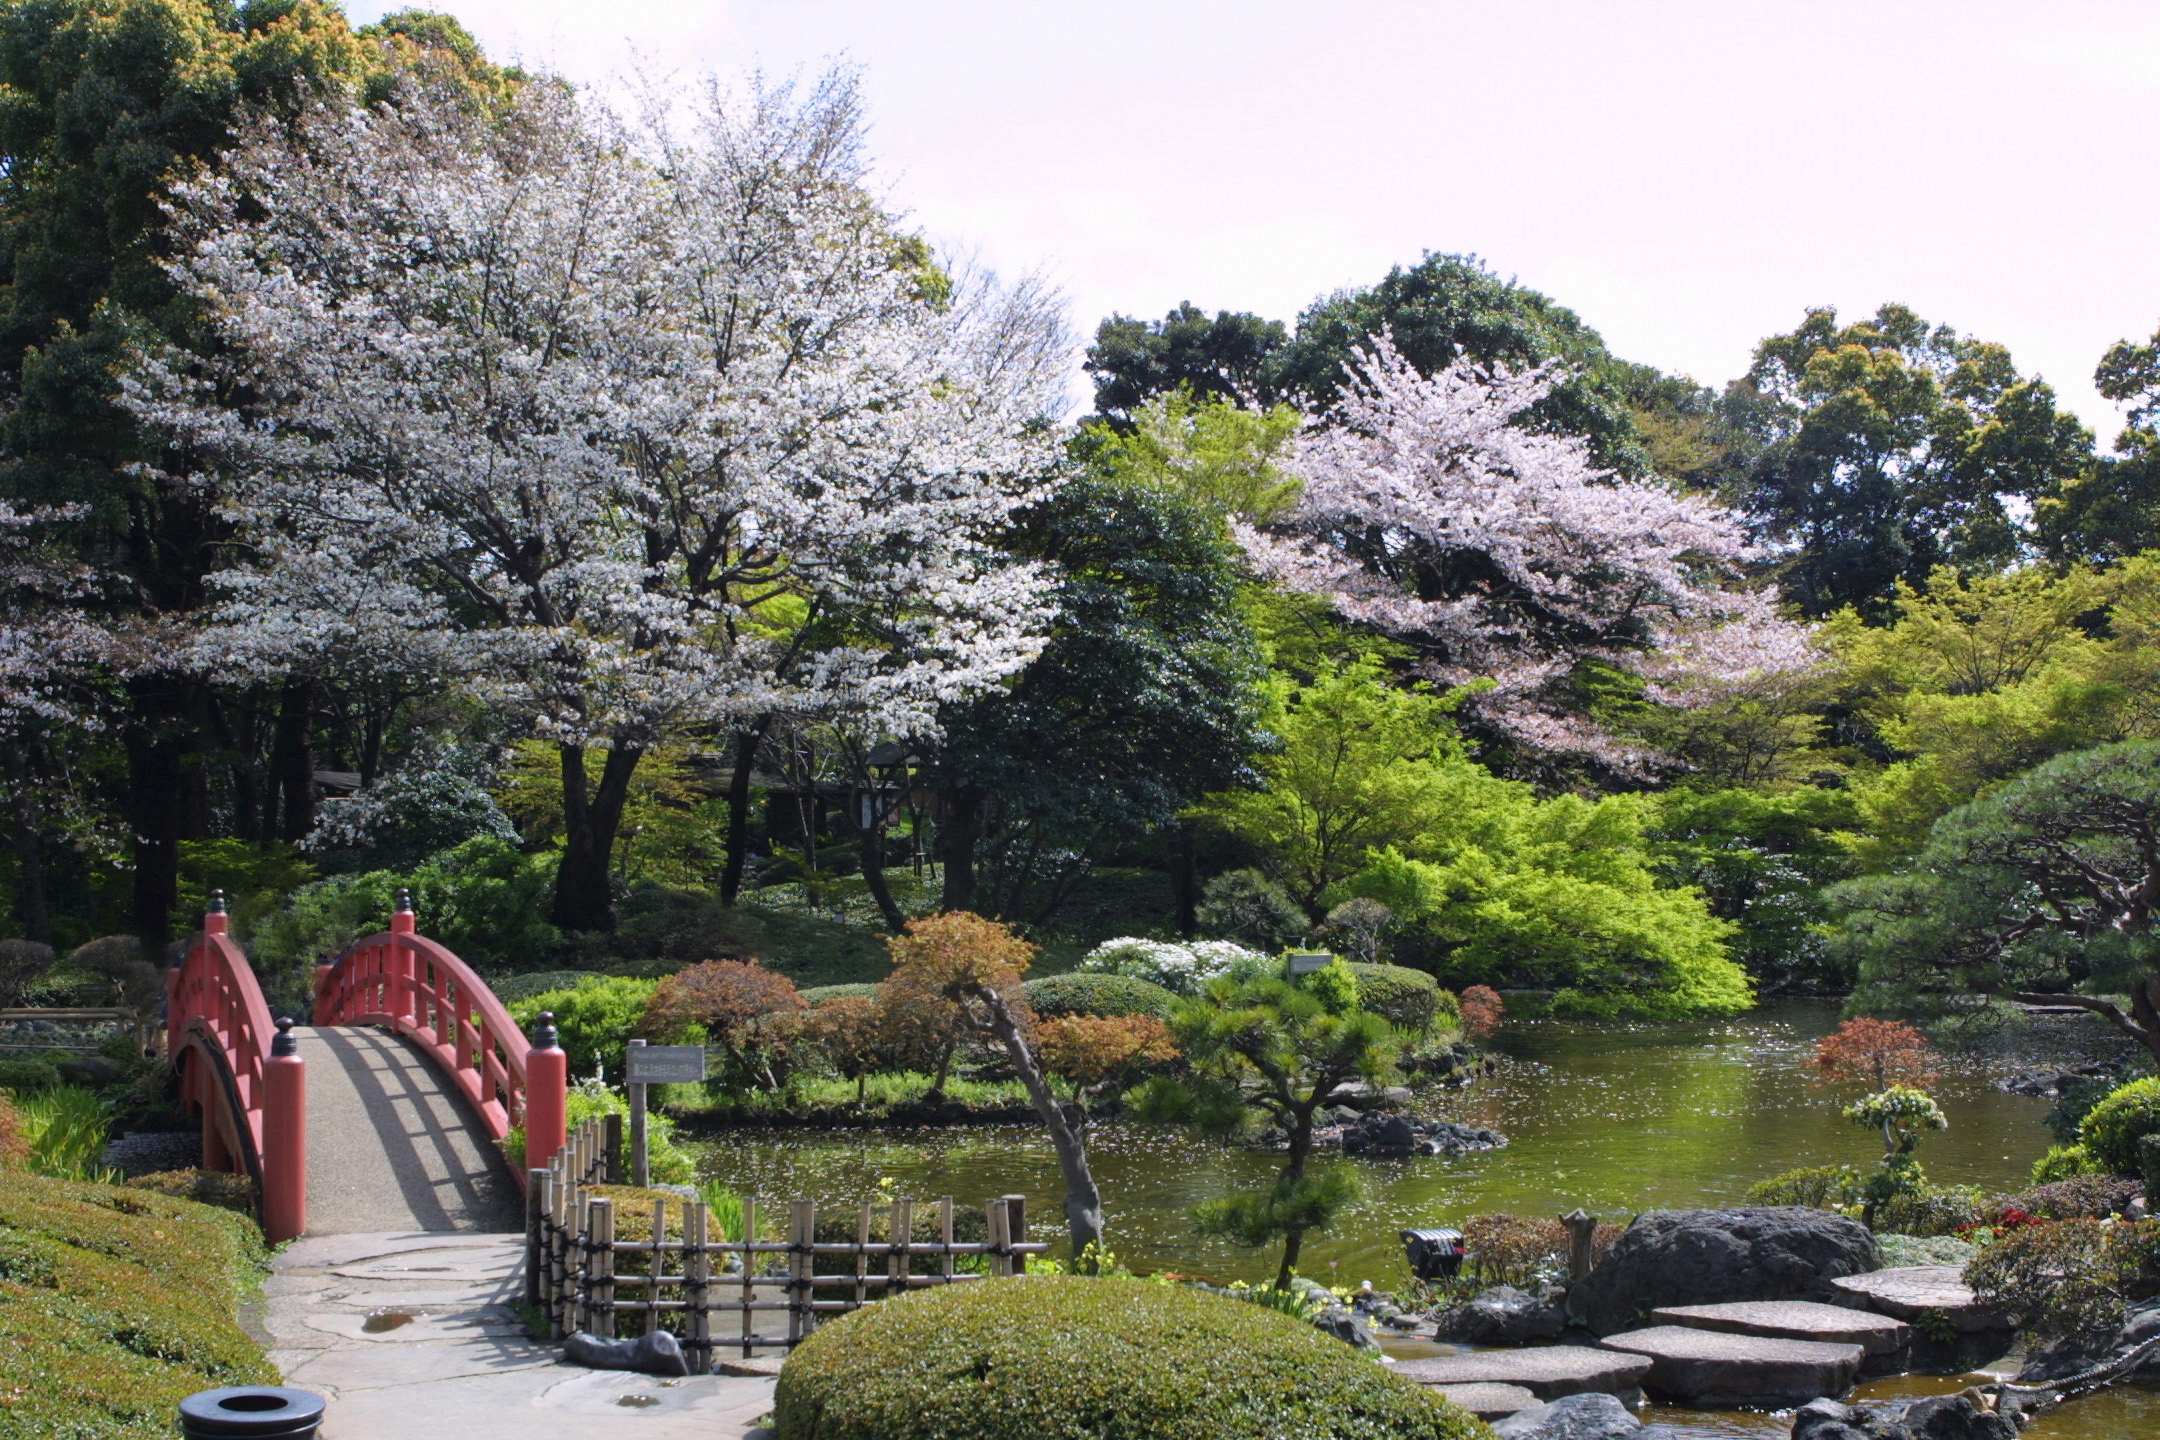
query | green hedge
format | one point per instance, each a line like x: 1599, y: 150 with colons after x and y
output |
x: 1055, y: 995
x: 818, y: 994
x: 2111, y: 1131
x: 538, y: 982
x: 115, y: 1305
x: 1070, y: 1358
x: 1405, y: 998
x: 594, y: 1019
x: 24, y: 1076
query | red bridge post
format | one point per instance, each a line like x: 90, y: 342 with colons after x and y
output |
x: 547, y: 1095
x: 284, y: 1141
x: 404, y: 995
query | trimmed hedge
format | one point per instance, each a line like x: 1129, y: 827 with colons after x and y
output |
x: 2112, y: 1129
x: 116, y: 1304
x: 817, y: 995
x: 1070, y: 1358
x: 24, y: 1076
x: 1405, y: 998
x: 539, y: 982
x: 1056, y: 995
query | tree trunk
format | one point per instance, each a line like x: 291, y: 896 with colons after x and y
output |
x: 1293, y: 1172
x: 738, y: 809
x: 873, y: 869
x: 156, y: 801
x: 27, y: 822
x: 295, y: 762
x: 960, y: 832
x: 591, y: 818
x: 1066, y: 1124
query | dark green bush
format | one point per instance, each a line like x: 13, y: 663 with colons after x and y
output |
x: 1933, y: 1210
x: 2069, y: 1279
x: 1067, y: 1358
x: 2082, y: 1197
x: 2062, y: 1162
x: 594, y: 1019
x: 23, y: 1076
x: 1246, y: 906
x: 539, y: 982
x: 2076, y: 1102
x: 1405, y: 998
x: 2112, y: 1130
x: 819, y: 994
x: 22, y: 963
x: 1056, y: 995
x: 2149, y: 1163
x: 1819, y: 1187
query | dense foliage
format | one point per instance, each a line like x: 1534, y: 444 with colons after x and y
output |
x: 1071, y: 1358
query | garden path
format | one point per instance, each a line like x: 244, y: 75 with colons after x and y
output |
x: 409, y: 1333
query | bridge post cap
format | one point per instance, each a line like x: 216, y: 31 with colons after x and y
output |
x: 284, y: 1044
x: 217, y: 903
x: 544, y: 1037
x: 404, y: 901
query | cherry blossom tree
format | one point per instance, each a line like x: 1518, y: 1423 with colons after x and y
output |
x: 1505, y: 553
x: 627, y: 428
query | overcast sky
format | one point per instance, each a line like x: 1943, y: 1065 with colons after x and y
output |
x: 1688, y: 177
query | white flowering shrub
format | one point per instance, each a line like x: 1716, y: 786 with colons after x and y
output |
x: 1180, y: 967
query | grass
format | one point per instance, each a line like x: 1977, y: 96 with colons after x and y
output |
x: 890, y: 1095
x: 65, y: 1128
x: 116, y: 1304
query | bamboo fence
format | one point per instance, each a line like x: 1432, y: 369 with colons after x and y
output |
x: 576, y: 1279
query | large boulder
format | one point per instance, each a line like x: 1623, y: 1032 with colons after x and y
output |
x: 1707, y: 1257
x: 1572, y: 1417
x: 1964, y: 1416
x: 1503, y: 1315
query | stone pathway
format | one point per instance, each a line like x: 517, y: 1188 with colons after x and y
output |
x: 1911, y: 1291
x: 1715, y: 1370
x: 1546, y: 1371
x: 410, y: 1333
x: 1884, y: 1341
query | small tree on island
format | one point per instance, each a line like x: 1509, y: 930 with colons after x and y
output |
x: 1271, y: 1048
x: 1894, y: 1061
x: 972, y: 967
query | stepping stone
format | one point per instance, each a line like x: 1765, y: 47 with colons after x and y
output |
x: 1910, y: 1292
x: 1546, y: 1371
x: 1884, y: 1339
x: 1488, y: 1401
x: 1715, y: 1371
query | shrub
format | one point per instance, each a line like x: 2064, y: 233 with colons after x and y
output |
x: 2081, y: 1197
x: 1481, y: 1011
x: 594, y: 1019
x: 538, y: 982
x: 1104, y: 1049
x: 1358, y: 930
x: 24, y: 1076
x: 818, y: 995
x: 2074, y: 1103
x: 1405, y: 998
x: 125, y: 974
x: 1054, y: 995
x: 1819, y: 1187
x: 436, y: 801
x: 1931, y: 1210
x: 2062, y: 1162
x: 1070, y: 1358
x: 21, y: 963
x: 2111, y: 1132
x: 1899, y: 1251
x: 2069, y: 1279
x: 116, y: 1304
x: 667, y: 1162
x: 204, y: 1187
x: 1520, y: 1251
x: 736, y: 1003
x: 1179, y: 968
x: 1246, y: 906
x: 2149, y: 1163
x: 1876, y: 1054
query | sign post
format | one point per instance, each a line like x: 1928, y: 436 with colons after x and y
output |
x: 644, y: 1065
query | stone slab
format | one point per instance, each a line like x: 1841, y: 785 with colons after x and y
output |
x: 1489, y: 1401
x: 1546, y: 1371
x: 1909, y: 1292
x: 1713, y: 1370
x: 1878, y: 1335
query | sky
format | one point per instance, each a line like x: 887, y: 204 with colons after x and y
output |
x: 1688, y: 177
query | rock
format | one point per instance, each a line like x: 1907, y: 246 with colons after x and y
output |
x: 1572, y: 1417
x: 1489, y: 1401
x: 2061, y: 1361
x: 1715, y: 1371
x: 1345, y: 1325
x: 1882, y: 1339
x: 92, y: 1070
x: 1390, y: 1137
x: 1546, y: 1371
x: 1503, y: 1315
x: 1445, y: 1137
x: 654, y: 1354
x: 1964, y: 1416
x: 1709, y: 1257
x: 1910, y: 1292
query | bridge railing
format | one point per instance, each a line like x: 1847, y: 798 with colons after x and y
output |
x: 415, y: 986
x: 242, y: 1073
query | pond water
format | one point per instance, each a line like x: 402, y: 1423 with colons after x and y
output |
x: 1615, y: 1119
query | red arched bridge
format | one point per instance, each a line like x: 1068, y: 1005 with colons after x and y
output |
x: 383, y: 1113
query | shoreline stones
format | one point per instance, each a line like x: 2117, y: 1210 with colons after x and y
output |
x: 1572, y: 1417
x: 1967, y: 1415
x: 1504, y: 1315
x: 1708, y: 1257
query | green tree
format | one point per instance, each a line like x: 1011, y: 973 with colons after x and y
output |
x: 1269, y: 1049
x: 2112, y: 509
x: 1216, y: 454
x: 1886, y: 447
x: 2047, y: 890
x: 1221, y: 358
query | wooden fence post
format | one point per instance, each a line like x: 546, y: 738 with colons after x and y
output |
x: 1016, y: 1229
x: 903, y: 1240
x: 1581, y: 1228
x: 1000, y: 1241
x: 945, y: 1239
x: 602, y: 1289
x: 697, y: 1273
x: 535, y: 1223
x: 611, y: 1143
x: 802, y: 1234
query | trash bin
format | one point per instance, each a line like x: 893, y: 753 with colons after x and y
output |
x: 258, y: 1412
x: 1434, y: 1254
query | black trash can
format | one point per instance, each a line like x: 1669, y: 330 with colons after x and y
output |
x: 258, y: 1412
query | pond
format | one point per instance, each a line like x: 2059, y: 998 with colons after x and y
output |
x: 1615, y: 1119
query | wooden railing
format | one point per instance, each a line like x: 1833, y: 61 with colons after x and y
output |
x: 212, y: 998
x: 575, y: 1261
x: 411, y: 984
